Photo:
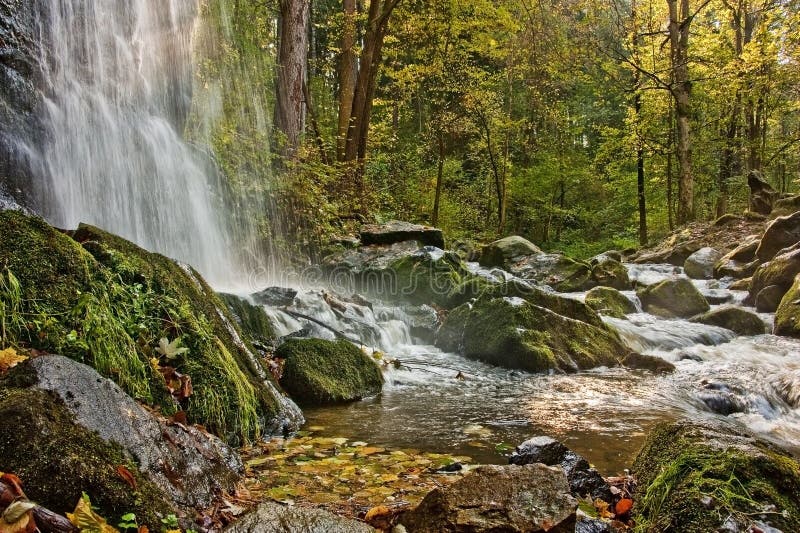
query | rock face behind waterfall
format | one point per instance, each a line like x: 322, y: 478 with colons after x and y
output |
x: 105, y: 301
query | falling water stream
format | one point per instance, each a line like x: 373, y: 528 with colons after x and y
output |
x: 603, y: 414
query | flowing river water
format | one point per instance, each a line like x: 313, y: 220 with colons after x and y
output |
x: 443, y: 402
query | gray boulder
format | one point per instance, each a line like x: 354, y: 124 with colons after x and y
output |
x: 583, y: 479
x: 529, y: 498
x: 769, y: 298
x: 733, y: 318
x: 271, y: 517
x: 504, y: 252
x: 700, y: 265
x: 396, y: 231
x: 780, y: 233
x: 189, y: 465
x: 780, y: 271
x: 558, y: 271
x: 607, y: 271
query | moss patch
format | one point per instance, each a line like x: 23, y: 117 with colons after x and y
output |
x: 57, y: 460
x: 609, y: 302
x: 252, y: 319
x: 787, y: 317
x: 682, y: 465
x: 673, y: 298
x: 322, y: 372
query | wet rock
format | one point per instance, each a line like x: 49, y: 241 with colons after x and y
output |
x: 558, y: 271
x: 271, y: 517
x: 681, y: 462
x: 530, y: 498
x: 733, y: 318
x: 609, y: 302
x: 205, y: 464
x: 57, y: 460
x: 515, y: 333
x: 780, y: 233
x: 587, y: 524
x: 647, y: 362
x: 505, y: 252
x: 721, y: 398
x: 787, y: 316
x: 741, y: 284
x: 610, y: 272
x: 318, y: 372
x: 396, y: 231
x: 780, y: 271
x: 769, y: 298
x: 700, y: 265
x: 275, y: 296
x: 675, y: 254
x: 717, y: 296
x: 582, y: 478
x: 252, y: 319
x: 422, y: 320
x: 673, y: 298
x: 762, y: 195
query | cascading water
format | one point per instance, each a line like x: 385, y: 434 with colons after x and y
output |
x: 118, y: 90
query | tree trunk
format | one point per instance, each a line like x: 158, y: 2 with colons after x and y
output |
x: 726, y: 167
x: 439, y: 181
x: 348, y: 71
x: 637, y: 107
x: 292, y: 65
x: 679, y: 23
x: 670, y: 152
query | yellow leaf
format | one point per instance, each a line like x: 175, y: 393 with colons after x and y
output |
x: 9, y: 358
x: 86, y: 520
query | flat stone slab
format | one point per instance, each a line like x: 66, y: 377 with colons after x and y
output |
x: 272, y: 517
x: 397, y: 231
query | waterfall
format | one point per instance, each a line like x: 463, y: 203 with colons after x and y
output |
x: 118, y: 82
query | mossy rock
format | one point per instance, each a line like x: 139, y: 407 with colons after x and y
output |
x: 673, y: 298
x: 560, y: 272
x: 787, y: 317
x: 609, y: 272
x: 252, y: 319
x: 450, y: 336
x: 504, y: 252
x: 58, y: 460
x: 691, y: 478
x: 108, y: 303
x: 514, y: 333
x: 780, y: 271
x: 733, y: 318
x: 318, y: 372
x: 609, y: 302
x: 568, y: 307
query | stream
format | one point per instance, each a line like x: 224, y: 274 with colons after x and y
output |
x: 445, y: 403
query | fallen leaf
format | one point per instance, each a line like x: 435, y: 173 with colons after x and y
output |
x: 602, y: 509
x: 379, y: 517
x: 125, y: 474
x: 9, y: 358
x: 18, y: 518
x: 623, y: 506
x: 86, y: 520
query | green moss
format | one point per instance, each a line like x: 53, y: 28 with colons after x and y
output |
x: 252, y: 319
x: 450, y: 336
x: 518, y: 334
x: 681, y: 466
x: 673, y: 298
x: 733, y: 318
x: 57, y: 460
x: 323, y: 372
x: 609, y: 302
x: 787, y: 317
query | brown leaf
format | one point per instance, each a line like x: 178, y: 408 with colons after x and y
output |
x: 179, y: 418
x: 379, y: 517
x: 143, y: 529
x: 125, y: 474
x: 14, y: 482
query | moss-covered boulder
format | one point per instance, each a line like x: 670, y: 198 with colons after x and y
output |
x: 103, y: 301
x: 700, y: 265
x: 505, y: 252
x: 673, y: 298
x: 787, y: 317
x: 609, y: 302
x: 768, y: 299
x: 733, y: 318
x: 780, y: 233
x: 780, y: 271
x: 514, y: 333
x: 252, y: 319
x: 318, y: 372
x: 610, y: 272
x: 558, y: 271
x: 57, y: 460
x: 693, y: 478
x: 740, y: 262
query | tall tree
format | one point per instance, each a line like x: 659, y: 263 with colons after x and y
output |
x: 348, y: 72
x: 292, y: 67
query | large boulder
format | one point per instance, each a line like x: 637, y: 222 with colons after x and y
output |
x: 609, y: 302
x: 780, y: 271
x: 252, y: 319
x: 106, y: 302
x: 318, y: 372
x: 59, y: 460
x: 584, y: 481
x: 515, y: 333
x: 740, y: 262
x: 786, y: 206
x: 700, y: 265
x: 506, y: 251
x: 608, y: 271
x: 271, y: 517
x: 206, y: 464
x: 673, y: 298
x: 781, y: 233
x: 396, y: 231
x: 558, y: 271
x: 698, y: 478
x: 787, y: 316
x: 769, y: 298
x: 529, y: 499
x: 762, y: 195
x: 733, y: 318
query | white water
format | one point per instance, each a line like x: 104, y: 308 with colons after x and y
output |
x: 603, y: 414
x: 118, y: 87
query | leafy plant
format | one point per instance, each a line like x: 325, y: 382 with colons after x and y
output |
x: 171, y: 350
x: 128, y: 521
